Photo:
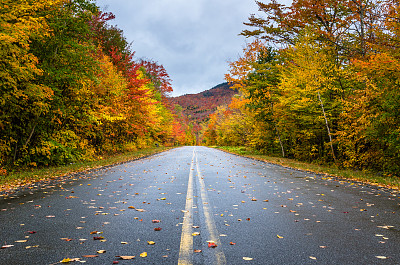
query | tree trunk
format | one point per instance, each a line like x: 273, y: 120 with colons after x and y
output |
x: 327, y: 127
x: 279, y: 137
x: 277, y: 131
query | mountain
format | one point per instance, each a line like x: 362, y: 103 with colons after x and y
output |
x: 199, y: 106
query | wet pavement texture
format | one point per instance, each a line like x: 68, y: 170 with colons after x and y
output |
x: 189, y: 198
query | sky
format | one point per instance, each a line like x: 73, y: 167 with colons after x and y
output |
x: 193, y: 39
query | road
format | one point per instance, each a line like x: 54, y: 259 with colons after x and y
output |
x: 173, y: 208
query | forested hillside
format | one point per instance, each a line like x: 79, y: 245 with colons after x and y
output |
x: 199, y: 106
x: 71, y: 89
x: 330, y: 94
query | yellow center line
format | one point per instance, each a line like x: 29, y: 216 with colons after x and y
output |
x: 186, y: 246
x: 211, y: 227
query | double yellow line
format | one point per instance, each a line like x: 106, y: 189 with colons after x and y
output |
x: 186, y: 246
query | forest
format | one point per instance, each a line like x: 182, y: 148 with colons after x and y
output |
x: 319, y: 81
x: 71, y: 89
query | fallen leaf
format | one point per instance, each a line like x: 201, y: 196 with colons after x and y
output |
x: 157, y: 229
x: 314, y: 258
x: 231, y: 243
x: 143, y: 255
x: 7, y: 246
x: 124, y: 243
x: 247, y: 258
x: 197, y: 250
x: 126, y: 257
x: 101, y: 251
x: 212, y: 245
x: 151, y: 242
x: 278, y: 236
x: 68, y: 260
x: 381, y: 257
x: 90, y: 256
x: 21, y: 241
x: 155, y: 221
x: 195, y: 233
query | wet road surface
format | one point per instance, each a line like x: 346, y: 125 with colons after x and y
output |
x: 196, y: 205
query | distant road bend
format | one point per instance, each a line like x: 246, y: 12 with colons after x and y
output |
x: 198, y: 205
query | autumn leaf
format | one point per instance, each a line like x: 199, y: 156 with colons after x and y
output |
x: 68, y: 260
x: 247, y: 258
x: 151, y: 242
x: 157, y: 229
x: 278, y: 236
x: 7, y: 246
x: 125, y: 257
x: 143, y: 255
x: 212, y: 245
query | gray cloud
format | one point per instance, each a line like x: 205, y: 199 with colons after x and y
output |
x: 193, y: 39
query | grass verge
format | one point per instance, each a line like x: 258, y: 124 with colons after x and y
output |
x: 362, y: 176
x: 27, y: 176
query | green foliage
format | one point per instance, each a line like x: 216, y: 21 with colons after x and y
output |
x: 71, y: 90
x: 330, y: 96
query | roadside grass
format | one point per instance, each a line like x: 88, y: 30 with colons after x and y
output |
x: 26, y: 176
x: 355, y: 175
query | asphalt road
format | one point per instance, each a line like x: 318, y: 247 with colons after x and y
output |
x: 254, y: 212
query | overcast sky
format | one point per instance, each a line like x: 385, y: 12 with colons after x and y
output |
x: 192, y: 39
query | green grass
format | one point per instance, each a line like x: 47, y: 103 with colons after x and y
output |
x: 366, y: 177
x: 27, y: 176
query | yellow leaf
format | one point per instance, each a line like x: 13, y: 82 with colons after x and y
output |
x: 143, y: 255
x: 278, y: 236
x: 151, y: 242
x: 247, y: 258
